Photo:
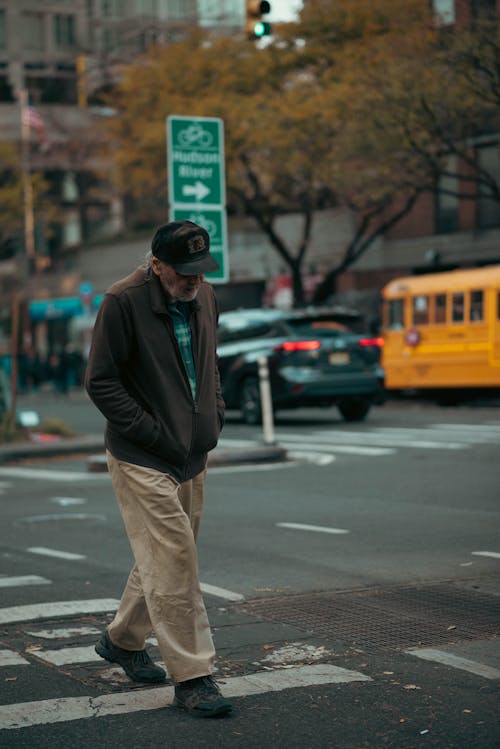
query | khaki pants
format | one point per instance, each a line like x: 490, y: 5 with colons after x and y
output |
x: 162, y: 520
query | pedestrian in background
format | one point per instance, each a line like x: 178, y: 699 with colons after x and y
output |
x: 152, y: 371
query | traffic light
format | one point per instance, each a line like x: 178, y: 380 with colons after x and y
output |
x: 255, y: 26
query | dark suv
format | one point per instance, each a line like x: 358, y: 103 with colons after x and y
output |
x: 314, y: 359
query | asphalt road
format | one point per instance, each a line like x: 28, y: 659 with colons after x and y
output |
x: 374, y: 549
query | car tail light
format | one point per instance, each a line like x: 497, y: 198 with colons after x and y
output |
x: 289, y: 346
x: 379, y: 342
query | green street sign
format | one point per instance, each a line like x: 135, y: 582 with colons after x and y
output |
x: 214, y: 221
x: 196, y: 181
x: 195, y: 156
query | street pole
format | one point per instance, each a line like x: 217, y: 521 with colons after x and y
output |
x: 29, y: 218
x: 266, y: 401
x: 14, y: 358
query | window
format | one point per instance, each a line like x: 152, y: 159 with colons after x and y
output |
x: 396, y: 314
x: 440, y: 308
x: 420, y: 310
x: 33, y: 31
x: 447, y: 200
x: 488, y: 209
x: 3, y: 30
x: 457, y: 307
x: 64, y: 31
x: 484, y: 9
x: 498, y: 306
x: 444, y: 12
x: 476, y: 306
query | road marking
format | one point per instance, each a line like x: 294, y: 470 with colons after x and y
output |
x: 314, y: 528
x: 67, y: 501
x: 493, y: 554
x: 481, y: 429
x: 253, y: 467
x: 63, y: 516
x: 11, y: 658
x: 13, y: 582
x: 42, y: 473
x: 455, y: 661
x: 322, y: 448
x: 65, y: 709
x: 55, y: 553
x: 352, y: 439
x: 213, y: 590
x: 32, y: 612
x: 61, y: 634
x: 64, y: 656
x: 319, y: 459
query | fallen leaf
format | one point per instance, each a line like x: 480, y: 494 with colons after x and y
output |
x: 466, y: 711
x: 452, y: 626
x: 11, y: 678
x: 411, y: 686
x: 267, y: 647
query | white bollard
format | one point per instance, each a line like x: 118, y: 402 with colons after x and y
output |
x: 266, y: 401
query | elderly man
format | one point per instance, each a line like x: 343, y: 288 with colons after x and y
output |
x: 152, y: 372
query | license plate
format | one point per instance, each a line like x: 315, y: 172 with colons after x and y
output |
x: 339, y: 357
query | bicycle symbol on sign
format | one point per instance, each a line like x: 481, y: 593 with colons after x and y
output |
x: 207, y: 223
x: 195, y: 136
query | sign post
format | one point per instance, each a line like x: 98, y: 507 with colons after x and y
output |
x: 196, y: 181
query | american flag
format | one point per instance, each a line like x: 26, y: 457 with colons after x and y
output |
x: 34, y: 121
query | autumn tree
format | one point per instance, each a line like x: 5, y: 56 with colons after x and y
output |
x: 12, y: 195
x: 409, y: 107
x: 344, y: 108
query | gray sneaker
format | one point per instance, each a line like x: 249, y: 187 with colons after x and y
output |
x: 201, y: 696
x: 136, y: 663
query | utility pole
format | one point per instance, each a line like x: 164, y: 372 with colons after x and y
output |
x: 29, y: 217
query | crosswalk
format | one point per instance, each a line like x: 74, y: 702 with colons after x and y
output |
x: 322, y: 446
x: 69, y: 643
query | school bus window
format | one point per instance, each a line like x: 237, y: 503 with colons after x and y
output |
x: 440, y: 308
x: 457, y: 307
x: 476, y: 306
x: 420, y: 310
x: 498, y: 306
x: 396, y: 314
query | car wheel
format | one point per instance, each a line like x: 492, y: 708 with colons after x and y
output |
x: 250, y: 401
x: 354, y: 409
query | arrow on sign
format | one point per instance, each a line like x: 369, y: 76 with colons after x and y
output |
x: 199, y: 190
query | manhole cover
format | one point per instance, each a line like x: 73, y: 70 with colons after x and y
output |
x: 380, y: 619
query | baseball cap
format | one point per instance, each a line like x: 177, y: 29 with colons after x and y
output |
x: 185, y: 247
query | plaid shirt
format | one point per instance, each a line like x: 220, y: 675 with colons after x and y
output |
x: 180, y: 314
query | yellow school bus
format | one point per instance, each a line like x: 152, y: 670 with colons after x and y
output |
x: 442, y: 332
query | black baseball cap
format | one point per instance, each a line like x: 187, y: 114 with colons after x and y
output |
x: 185, y: 247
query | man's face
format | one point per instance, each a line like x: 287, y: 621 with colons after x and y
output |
x: 181, y: 288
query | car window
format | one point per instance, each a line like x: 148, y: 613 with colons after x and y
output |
x: 317, y: 327
x: 242, y: 331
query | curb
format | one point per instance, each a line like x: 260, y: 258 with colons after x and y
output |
x: 98, y: 464
x: 93, y: 446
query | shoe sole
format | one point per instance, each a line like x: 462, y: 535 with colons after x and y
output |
x: 106, y: 654
x: 217, y: 713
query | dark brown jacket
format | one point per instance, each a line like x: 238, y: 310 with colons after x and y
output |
x: 137, y: 379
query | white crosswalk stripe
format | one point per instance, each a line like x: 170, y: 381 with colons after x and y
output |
x: 374, y: 442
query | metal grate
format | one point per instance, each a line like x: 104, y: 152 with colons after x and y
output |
x: 384, y: 619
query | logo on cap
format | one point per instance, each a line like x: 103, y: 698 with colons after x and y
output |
x: 196, y: 244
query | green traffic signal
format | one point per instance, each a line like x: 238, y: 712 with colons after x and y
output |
x: 262, y: 28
